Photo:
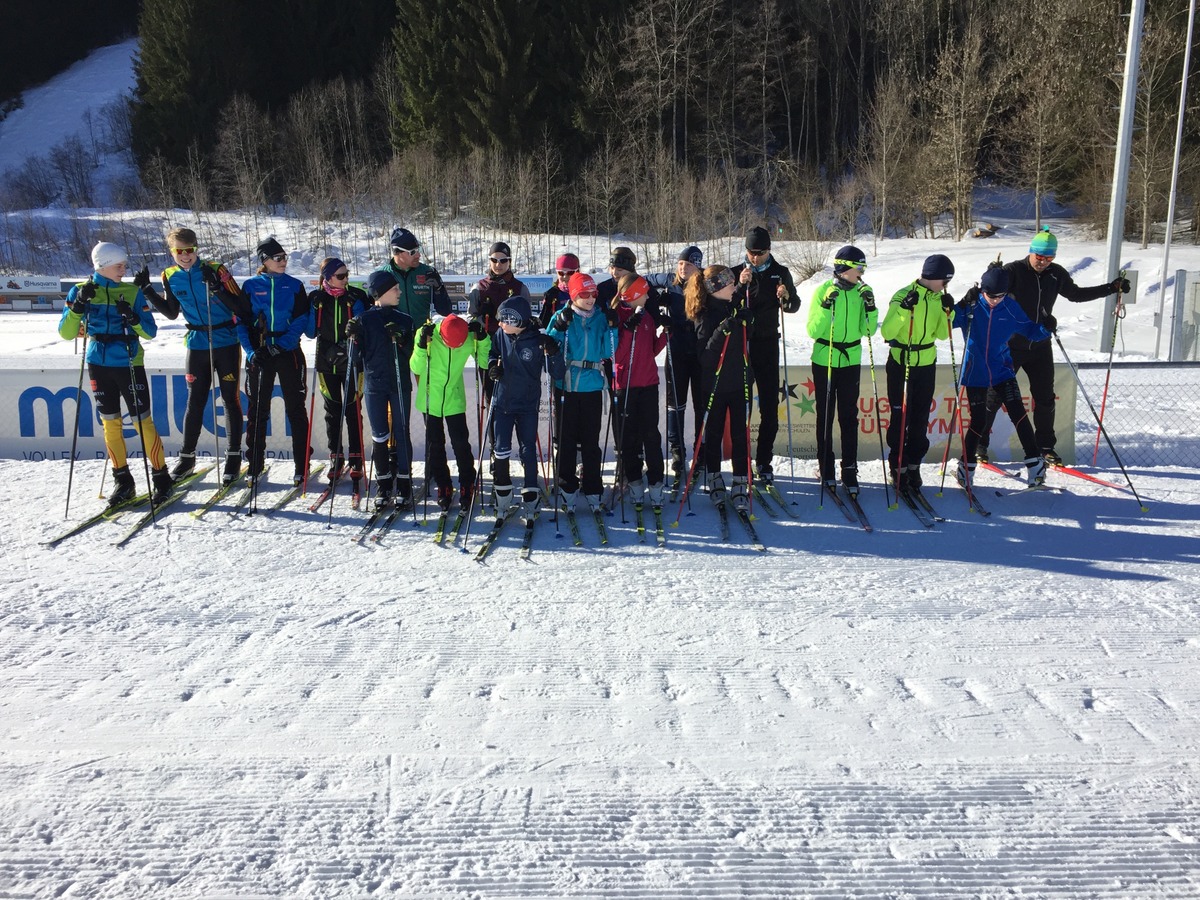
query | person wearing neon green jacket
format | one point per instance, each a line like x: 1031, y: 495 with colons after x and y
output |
x: 438, y: 360
x: 918, y: 316
x: 841, y: 315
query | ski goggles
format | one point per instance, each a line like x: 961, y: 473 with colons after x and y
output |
x: 716, y: 282
x: 511, y: 317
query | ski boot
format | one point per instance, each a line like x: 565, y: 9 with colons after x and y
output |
x: 1051, y: 457
x: 403, y: 491
x: 1035, y: 469
x: 593, y: 502
x: 124, y: 488
x: 337, y: 463
x: 465, y: 493
x: 531, y: 501
x: 716, y: 488
x: 567, y: 499
x: 445, y: 497
x: 965, y: 475
x: 655, y: 492
x: 233, y: 465
x: 504, y: 500
x: 161, y: 479
x: 184, y: 465
x: 981, y: 454
x: 914, y: 477
x: 850, y: 480
x: 636, y: 490
x: 765, y: 473
x: 383, y: 497
x: 740, y: 493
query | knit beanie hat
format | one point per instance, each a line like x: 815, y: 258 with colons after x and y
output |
x: 994, y: 281
x: 268, y: 248
x: 501, y: 248
x: 623, y: 258
x: 849, y: 257
x: 332, y: 265
x: 380, y: 282
x: 758, y: 238
x: 581, y: 283
x: 1044, y: 243
x: 454, y: 331
x: 105, y: 255
x: 568, y: 262
x: 404, y: 239
x: 515, y: 304
x: 937, y: 268
x: 693, y: 255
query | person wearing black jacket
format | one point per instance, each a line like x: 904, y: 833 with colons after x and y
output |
x: 771, y: 291
x: 1036, y: 282
x: 334, y: 303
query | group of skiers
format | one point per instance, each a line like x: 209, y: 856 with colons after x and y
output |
x: 594, y: 344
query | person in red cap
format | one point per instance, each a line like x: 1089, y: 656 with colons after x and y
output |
x: 635, y: 388
x: 443, y: 348
x: 588, y: 337
x: 557, y: 296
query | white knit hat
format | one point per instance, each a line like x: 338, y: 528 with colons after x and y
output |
x: 105, y: 255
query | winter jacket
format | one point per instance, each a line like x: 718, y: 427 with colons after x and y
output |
x: 849, y: 319
x: 422, y: 293
x: 184, y: 291
x: 764, y: 302
x: 382, y: 349
x: 523, y: 360
x: 278, y: 312
x: 673, y: 305
x: 987, y: 361
x: 1037, y: 293
x: 586, y: 341
x: 487, y: 295
x: 110, y: 343
x: 929, y: 323
x: 634, y: 363
x: 553, y: 300
x: 712, y: 342
x: 444, y: 366
x: 327, y: 324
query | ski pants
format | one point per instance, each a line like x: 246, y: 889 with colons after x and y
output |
x: 338, y: 411
x: 733, y: 405
x: 1038, y: 362
x: 525, y: 424
x: 840, y: 397
x: 582, y: 413
x: 436, y: 463
x: 914, y: 408
x: 388, y: 418
x: 764, y: 360
x: 1008, y: 395
x: 637, y: 412
x: 289, y: 367
x: 683, y: 380
x: 198, y: 371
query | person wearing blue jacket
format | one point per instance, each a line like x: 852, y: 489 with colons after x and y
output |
x: 588, y: 336
x: 114, y: 316
x: 208, y: 297
x: 519, y: 356
x: 277, y: 317
x: 987, y: 368
x: 381, y: 344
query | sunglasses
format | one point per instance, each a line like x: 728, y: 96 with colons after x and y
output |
x: 993, y: 296
x: 850, y: 263
x: 414, y: 252
x: 586, y: 295
x: 499, y: 259
x: 280, y: 257
x: 182, y: 251
x: 566, y: 273
x: 1040, y: 258
x: 508, y: 317
x: 341, y: 276
x: 758, y: 252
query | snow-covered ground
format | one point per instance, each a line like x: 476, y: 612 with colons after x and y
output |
x: 257, y: 707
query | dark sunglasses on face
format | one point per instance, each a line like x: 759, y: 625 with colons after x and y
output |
x: 566, y: 273
x: 180, y: 251
x: 280, y: 257
x: 758, y: 252
x: 341, y: 276
x: 499, y: 259
x: 1040, y: 258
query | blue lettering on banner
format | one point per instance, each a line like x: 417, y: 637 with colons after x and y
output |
x: 55, y: 417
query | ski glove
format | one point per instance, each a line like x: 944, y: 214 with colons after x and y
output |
x: 947, y: 303
x: 550, y: 345
x: 868, y: 299
x: 1121, y: 285
x: 142, y: 278
x: 565, y: 315
x: 1050, y: 323
x: 634, y: 321
x: 79, y: 305
x: 745, y: 316
x: 475, y: 327
x: 426, y: 335
x: 211, y: 278
x: 909, y: 300
x: 788, y: 303
x: 354, y: 327
x: 828, y: 300
x: 128, y: 317
x: 268, y: 350
x: 610, y: 316
x: 495, y: 371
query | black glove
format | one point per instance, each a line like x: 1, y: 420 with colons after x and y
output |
x: 475, y: 327
x: 665, y: 324
x: 211, y: 278
x: 1050, y: 323
x: 354, y: 327
x: 1121, y: 285
x: 141, y: 278
x: 971, y: 297
x: 610, y: 316
x: 909, y: 300
x: 426, y: 335
x: 398, y: 334
x: 79, y: 305
x: 485, y: 310
x: 745, y: 316
x: 268, y: 350
x: 994, y: 264
x: 565, y: 315
x: 828, y: 299
x: 495, y: 371
x: 868, y: 299
x: 550, y: 345
x: 947, y: 303
x: 727, y: 325
x: 634, y: 321
x: 128, y: 317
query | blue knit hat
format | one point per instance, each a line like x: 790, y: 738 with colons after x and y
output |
x: 1044, y: 243
x: 380, y: 282
x: 332, y: 265
x: 405, y: 239
x: 937, y: 268
x: 994, y: 281
x: 515, y: 304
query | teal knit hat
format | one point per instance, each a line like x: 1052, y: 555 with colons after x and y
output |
x: 1044, y: 243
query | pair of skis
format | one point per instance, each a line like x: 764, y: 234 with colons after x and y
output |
x: 850, y: 507
x: 489, y: 540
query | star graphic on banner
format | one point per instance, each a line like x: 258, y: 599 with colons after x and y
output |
x: 809, y: 386
x: 808, y: 405
x: 786, y: 391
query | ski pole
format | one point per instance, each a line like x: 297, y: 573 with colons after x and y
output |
x: 554, y: 489
x: 687, y: 489
x: 749, y: 404
x: 404, y: 431
x: 485, y: 426
x: 212, y: 363
x: 1118, y: 315
x: 625, y: 420
x: 428, y: 422
x: 1099, y: 424
x: 887, y: 494
x: 345, y: 407
x: 75, y: 436
x: 787, y: 393
x: 954, y: 410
